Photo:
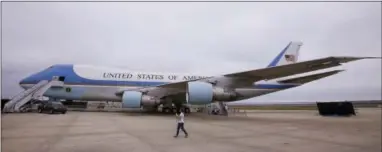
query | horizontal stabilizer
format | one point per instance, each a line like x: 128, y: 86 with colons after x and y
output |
x: 310, y: 78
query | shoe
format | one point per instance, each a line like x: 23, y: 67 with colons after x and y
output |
x: 186, y: 136
x: 175, y: 136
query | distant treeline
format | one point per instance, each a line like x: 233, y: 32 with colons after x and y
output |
x: 75, y: 104
x: 302, y: 105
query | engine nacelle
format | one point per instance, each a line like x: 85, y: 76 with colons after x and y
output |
x: 205, y: 93
x: 135, y: 99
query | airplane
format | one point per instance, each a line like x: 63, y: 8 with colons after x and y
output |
x: 144, y: 89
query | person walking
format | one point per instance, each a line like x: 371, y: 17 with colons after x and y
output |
x: 180, y: 121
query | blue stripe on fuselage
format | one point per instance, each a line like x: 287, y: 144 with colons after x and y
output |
x: 71, y: 78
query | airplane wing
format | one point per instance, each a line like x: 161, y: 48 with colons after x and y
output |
x: 164, y: 89
x: 296, y: 68
x: 255, y: 75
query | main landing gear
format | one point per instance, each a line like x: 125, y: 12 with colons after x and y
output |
x: 172, y: 109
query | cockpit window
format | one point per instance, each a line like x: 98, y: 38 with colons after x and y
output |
x: 47, y: 69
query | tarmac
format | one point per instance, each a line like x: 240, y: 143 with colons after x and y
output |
x: 259, y: 131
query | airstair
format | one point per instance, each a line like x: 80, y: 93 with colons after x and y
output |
x: 35, y: 92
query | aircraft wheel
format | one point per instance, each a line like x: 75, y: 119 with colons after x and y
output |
x: 187, y: 110
x: 166, y: 110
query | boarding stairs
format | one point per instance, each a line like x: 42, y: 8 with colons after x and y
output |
x: 35, y: 92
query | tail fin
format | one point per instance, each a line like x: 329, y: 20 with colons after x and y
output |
x: 288, y: 55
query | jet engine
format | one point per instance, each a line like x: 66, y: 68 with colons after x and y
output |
x: 135, y: 99
x: 205, y: 93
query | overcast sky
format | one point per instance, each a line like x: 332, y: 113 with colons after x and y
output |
x: 207, y: 38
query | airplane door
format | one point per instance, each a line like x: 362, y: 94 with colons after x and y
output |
x: 59, y: 78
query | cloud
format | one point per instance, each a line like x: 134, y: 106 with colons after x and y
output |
x: 203, y: 38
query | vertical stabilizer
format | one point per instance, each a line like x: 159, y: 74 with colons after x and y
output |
x: 288, y: 55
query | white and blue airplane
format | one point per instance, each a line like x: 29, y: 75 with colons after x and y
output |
x: 142, y: 89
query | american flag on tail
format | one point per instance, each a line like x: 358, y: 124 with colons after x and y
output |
x: 290, y: 58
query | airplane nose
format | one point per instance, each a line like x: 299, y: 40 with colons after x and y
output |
x: 22, y: 82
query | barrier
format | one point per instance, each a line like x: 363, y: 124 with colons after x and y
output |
x: 335, y: 108
x: 3, y: 102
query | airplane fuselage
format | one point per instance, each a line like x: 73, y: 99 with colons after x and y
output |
x: 101, y: 84
x: 149, y: 89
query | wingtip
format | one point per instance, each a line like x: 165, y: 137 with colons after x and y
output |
x: 336, y: 71
x: 339, y: 71
x: 373, y: 57
x: 345, y: 59
x: 368, y: 57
